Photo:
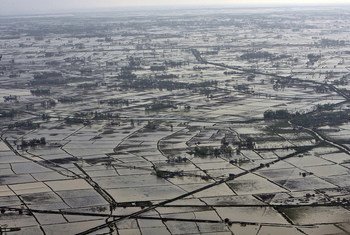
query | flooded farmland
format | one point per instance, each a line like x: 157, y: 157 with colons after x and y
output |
x: 183, y: 121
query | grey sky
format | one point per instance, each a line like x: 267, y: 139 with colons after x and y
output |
x: 42, y: 6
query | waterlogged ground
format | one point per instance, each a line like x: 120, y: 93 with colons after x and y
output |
x: 127, y: 168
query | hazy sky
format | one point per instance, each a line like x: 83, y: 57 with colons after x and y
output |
x: 43, y: 6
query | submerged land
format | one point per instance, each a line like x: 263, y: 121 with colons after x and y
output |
x: 202, y: 121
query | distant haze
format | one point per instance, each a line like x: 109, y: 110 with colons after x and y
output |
x: 52, y: 6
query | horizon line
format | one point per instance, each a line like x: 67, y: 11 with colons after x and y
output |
x: 165, y: 7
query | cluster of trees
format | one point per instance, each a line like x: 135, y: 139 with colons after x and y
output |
x: 134, y: 62
x: 168, y: 174
x: 187, y: 108
x: 205, y: 151
x: 322, y: 107
x: 48, y: 103
x: 331, y: 42
x: 159, y: 105
x: 242, y: 87
x: 48, y: 78
x: 116, y: 102
x: 86, y: 71
x: 278, y: 86
x: 130, y: 81
x: 76, y: 120
x: 251, y: 77
x: 151, y: 125
x: 343, y: 81
x: 324, y: 116
x: 277, y: 115
x: 32, y: 143
x: 177, y: 160
x: 10, y: 98
x: 249, y: 143
x: 47, y: 75
x: 40, y: 92
x: 75, y: 60
x: 239, y: 161
x: 49, y: 81
x: 104, y: 116
x: 321, y: 119
x: 282, y: 83
x: 174, y: 64
x: 24, y: 125
x: 231, y: 72
x: 126, y: 74
x: 82, y: 114
x: 141, y: 84
x: 313, y: 58
x: 155, y: 68
x: 45, y: 116
x: 8, y: 113
x: 321, y: 89
x: 257, y: 55
x: 95, y: 115
x: 207, y: 92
